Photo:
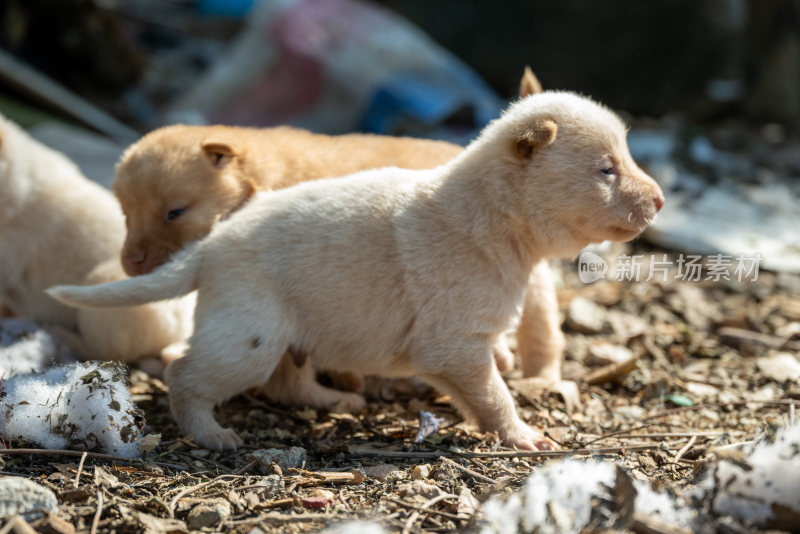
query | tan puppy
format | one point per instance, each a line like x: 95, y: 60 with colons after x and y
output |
x: 57, y: 226
x: 177, y: 182
x: 398, y: 272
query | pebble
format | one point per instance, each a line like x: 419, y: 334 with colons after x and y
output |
x: 585, y: 316
x: 607, y: 353
x: 420, y: 472
x: 209, y: 514
x: 780, y: 367
x: 20, y: 496
x: 293, y: 457
x: 380, y: 472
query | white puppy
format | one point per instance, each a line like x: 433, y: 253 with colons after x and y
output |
x: 398, y: 272
x: 58, y: 227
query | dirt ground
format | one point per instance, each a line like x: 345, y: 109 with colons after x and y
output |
x: 695, y: 371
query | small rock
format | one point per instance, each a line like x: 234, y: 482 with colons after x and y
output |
x: 626, y: 325
x: 699, y: 389
x: 380, y: 472
x: 293, y: 457
x: 420, y: 472
x: 585, y: 316
x: 160, y: 525
x: 20, y: 496
x: 780, y: 367
x: 419, y: 487
x: 209, y: 514
x: 318, y: 499
x: 604, y: 353
x: 630, y: 412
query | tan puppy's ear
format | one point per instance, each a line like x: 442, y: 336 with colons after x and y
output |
x: 219, y: 153
x: 528, y: 140
x: 529, y: 85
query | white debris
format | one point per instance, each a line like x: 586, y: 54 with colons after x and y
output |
x: 428, y: 424
x: 563, y: 497
x: 762, y: 489
x: 758, y: 487
x: 87, y: 403
x: 25, y: 348
x: 25, y: 497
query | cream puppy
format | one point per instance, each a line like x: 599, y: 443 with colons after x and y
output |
x: 177, y: 182
x: 55, y: 227
x: 398, y: 272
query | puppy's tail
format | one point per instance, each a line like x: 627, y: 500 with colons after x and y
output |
x: 171, y: 280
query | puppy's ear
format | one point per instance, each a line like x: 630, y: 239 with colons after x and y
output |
x: 528, y: 140
x: 529, y: 85
x: 219, y: 153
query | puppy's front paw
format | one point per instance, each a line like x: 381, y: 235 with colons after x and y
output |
x: 526, y: 438
x: 350, y: 403
x: 224, y: 439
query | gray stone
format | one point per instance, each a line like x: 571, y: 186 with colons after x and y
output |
x: 585, y: 316
x: 20, y: 496
x: 293, y: 457
x: 209, y: 514
x: 380, y: 472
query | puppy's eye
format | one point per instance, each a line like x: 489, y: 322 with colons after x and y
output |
x: 608, y: 171
x: 173, y: 214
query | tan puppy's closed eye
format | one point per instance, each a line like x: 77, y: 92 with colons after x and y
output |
x: 397, y: 272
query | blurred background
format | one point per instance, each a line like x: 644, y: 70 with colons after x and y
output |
x: 711, y: 87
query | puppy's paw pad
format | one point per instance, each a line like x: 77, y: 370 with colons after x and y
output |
x: 350, y: 402
x: 225, y: 439
x: 526, y: 438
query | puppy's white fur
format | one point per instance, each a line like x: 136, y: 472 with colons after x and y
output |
x: 58, y: 227
x: 398, y: 272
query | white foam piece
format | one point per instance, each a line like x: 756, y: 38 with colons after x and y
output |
x: 87, y: 403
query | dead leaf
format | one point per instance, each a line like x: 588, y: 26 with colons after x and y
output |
x: 467, y: 504
x: 104, y: 479
x: 159, y: 525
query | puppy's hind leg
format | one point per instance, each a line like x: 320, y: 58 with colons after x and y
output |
x: 540, y: 341
x: 298, y: 386
x: 231, y: 351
